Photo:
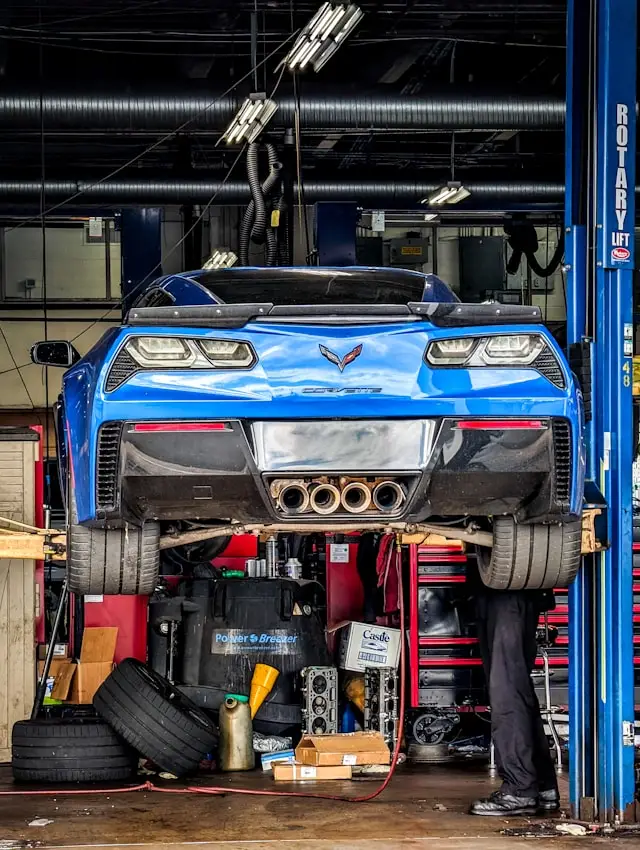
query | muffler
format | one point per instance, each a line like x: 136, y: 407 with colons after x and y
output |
x: 325, y: 499
x: 388, y: 496
x: 356, y: 497
x: 293, y: 499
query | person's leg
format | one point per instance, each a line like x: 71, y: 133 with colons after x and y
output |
x: 511, y: 695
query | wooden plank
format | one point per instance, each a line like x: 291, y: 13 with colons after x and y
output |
x: 17, y: 590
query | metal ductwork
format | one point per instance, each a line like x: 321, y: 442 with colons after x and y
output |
x: 389, y: 193
x: 210, y: 111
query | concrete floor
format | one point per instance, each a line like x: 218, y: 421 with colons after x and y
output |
x: 407, y: 815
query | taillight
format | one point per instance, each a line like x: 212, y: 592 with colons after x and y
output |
x: 170, y: 352
x: 498, y: 350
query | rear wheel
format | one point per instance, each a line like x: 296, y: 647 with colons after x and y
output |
x: 531, y: 557
x: 112, y: 561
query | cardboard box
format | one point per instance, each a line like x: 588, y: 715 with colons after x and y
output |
x: 343, y: 749
x: 77, y: 682
x: 363, y: 645
x: 283, y: 772
x: 60, y: 650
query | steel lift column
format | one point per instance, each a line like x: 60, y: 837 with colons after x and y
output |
x: 599, y: 220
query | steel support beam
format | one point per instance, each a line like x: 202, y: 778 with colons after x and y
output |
x: 141, y: 248
x: 601, y: 78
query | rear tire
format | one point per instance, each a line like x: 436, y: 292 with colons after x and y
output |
x: 531, y: 557
x: 155, y: 718
x: 69, y: 751
x: 112, y: 561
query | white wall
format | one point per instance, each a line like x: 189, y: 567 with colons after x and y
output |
x: 16, y: 338
x: 75, y: 268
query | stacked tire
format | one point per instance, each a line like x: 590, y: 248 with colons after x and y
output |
x: 141, y: 714
x: 77, y: 750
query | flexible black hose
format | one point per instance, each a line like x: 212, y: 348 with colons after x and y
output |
x: 272, y: 246
x: 260, y: 208
x: 258, y: 232
x: 283, y: 232
x: 254, y: 227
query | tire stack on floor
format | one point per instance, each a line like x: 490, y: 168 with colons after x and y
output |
x: 141, y: 714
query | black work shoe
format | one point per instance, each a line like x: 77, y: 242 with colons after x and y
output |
x: 503, y: 805
x: 549, y: 801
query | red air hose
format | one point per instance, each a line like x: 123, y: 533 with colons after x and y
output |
x: 218, y: 790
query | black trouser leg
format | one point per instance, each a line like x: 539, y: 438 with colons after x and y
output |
x: 507, y: 624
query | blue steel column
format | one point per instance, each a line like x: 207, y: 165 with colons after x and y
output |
x: 579, y: 290
x: 615, y: 217
x: 141, y: 249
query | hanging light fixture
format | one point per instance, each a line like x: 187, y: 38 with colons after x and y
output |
x: 221, y: 260
x: 323, y: 35
x: 251, y: 119
x: 451, y: 193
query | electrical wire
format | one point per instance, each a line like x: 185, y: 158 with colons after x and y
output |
x: 157, y: 143
x: 181, y: 241
x: 250, y: 792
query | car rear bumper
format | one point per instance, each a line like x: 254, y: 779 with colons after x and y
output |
x: 235, y: 469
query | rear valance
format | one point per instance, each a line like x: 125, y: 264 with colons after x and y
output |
x: 238, y: 315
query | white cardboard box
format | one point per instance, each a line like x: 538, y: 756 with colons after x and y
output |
x: 363, y: 645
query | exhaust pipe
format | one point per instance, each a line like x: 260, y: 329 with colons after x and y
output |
x: 293, y: 499
x: 325, y: 499
x: 388, y: 496
x: 356, y: 498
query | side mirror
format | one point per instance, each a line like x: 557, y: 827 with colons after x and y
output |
x: 54, y: 353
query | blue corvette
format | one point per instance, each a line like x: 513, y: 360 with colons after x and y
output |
x: 285, y: 399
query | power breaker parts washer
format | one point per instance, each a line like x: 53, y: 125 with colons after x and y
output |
x: 218, y: 790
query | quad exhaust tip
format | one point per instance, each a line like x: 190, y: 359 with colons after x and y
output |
x: 388, y: 496
x: 293, y: 499
x: 356, y: 498
x: 325, y: 499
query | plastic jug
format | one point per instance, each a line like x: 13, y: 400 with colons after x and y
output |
x: 236, y: 734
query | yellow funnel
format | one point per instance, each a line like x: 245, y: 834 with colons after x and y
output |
x: 263, y: 680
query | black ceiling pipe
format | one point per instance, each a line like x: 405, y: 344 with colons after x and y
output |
x: 211, y: 112
x: 171, y: 191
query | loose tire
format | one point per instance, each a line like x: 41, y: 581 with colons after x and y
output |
x: 85, y: 750
x: 531, y: 557
x: 155, y: 718
x: 112, y: 561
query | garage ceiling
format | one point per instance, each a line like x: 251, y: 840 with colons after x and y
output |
x: 414, y: 48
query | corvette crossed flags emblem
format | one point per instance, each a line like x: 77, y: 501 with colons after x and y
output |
x: 341, y: 363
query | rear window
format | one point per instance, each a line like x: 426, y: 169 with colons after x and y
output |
x: 318, y: 286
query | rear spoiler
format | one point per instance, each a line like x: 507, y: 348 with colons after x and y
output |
x: 448, y: 315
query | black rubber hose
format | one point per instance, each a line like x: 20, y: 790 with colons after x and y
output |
x: 260, y: 208
x: 283, y: 232
x: 258, y: 232
x: 272, y: 246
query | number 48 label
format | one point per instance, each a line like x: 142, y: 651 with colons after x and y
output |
x: 626, y: 376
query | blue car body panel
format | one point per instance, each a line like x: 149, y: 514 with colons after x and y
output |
x: 291, y: 380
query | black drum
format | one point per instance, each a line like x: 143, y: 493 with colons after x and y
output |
x: 223, y: 628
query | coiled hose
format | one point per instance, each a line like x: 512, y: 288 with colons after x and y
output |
x: 254, y: 222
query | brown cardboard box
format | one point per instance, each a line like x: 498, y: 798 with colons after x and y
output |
x: 283, y: 772
x: 77, y: 682
x: 343, y: 749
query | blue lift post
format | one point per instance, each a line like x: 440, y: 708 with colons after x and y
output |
x: 601, y: 123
